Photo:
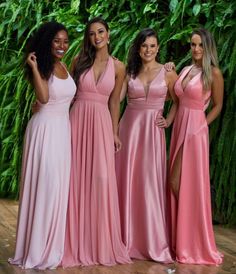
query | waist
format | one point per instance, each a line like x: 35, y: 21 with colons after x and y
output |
x: 141, y: 104
x: 54, y: 108
x: 190, y: 103
x: 93, y: 97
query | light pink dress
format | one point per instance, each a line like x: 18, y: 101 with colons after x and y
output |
x: 192, y: 231
x: 45, y: 180
x: 93, y: 221
x: 141, y: 172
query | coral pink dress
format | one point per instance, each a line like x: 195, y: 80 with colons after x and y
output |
x: 93, y: 233
x: 141, y: 172
x: 192, y: 231
x: 45, y: 180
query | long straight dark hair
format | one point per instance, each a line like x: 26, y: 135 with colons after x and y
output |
x: 87, y: 54
x: 134, y: 63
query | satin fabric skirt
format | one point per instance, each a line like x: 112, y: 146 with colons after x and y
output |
x: 93, y: 234
x: 192, y: 231
x: 141, y: 176
x: 44, y: 190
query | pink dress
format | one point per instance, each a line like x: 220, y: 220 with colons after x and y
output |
x: 93, y: 221
x: 141, y: 172
x: 45, y: 180
x: 192, y: 231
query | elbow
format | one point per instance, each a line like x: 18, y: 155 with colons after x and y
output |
x: 43, y: 100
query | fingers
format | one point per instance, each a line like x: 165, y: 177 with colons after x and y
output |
x: 31, y: 59
x: 161, y: 122
x: 169, y: 66
x: 118, y: 146
x: 35, y: 107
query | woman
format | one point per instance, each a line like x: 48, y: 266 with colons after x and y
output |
x: 141, y: 163
x: 47, y: 153
x: 93, y: 221
x: 192, y: 232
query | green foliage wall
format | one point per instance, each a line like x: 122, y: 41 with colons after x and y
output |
x: 174, y: 21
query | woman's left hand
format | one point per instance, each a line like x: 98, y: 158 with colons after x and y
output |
x: 117, y: 143
x: 161, y: 122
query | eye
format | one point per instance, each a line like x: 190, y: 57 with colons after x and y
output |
x: 101, y: 31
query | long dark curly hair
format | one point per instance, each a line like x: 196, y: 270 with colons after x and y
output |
x: 134, y: 62
x: 41, y: 44
x: 87, y: 54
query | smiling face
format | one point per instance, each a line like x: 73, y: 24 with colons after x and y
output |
x: 149, y: 49
x: 98, y: 35
x: 60, y: 44
x: 197, y: 49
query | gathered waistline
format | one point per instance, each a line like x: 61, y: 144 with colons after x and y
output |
x: 145, y: 105
x: 92, y: 96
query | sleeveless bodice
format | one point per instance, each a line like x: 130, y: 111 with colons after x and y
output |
x: 155, y: 96
x: 192, y: 96
x: 100, y: 91
x: 61, y: 93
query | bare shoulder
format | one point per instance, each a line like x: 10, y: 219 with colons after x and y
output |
x: 216, y: 72
x: 119, y: 66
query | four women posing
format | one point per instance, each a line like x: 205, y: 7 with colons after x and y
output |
x: 106, y: 224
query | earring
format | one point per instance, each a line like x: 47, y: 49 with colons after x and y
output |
x: 108, y: 41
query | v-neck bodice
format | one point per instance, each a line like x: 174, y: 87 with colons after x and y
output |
x: 156, y: 94
x: 105, y: 83
x: 192, y: 94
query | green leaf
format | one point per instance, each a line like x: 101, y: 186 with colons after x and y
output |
x: 196, y: 9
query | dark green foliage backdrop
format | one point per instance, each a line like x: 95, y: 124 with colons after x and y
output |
x: 174, y: 21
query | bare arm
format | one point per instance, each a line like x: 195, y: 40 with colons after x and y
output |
x: 171, y: 78
x: 114, y: 101
x: 40, y: 85
x: 217, y: 91
x: 124, y: 88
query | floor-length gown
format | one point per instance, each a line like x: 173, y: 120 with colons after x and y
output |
x: 45, y: 180
x: 141, y: 172
x: 93, y: 222
x: 192, y: 231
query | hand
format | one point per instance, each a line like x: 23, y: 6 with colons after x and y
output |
x: 161, y: 122
x: 32, y: 60
x: 117, y: 143
x: 35, y: 107
x: 169, y: 66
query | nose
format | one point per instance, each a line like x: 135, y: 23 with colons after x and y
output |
x: 61, y: 44
x: 96, y: 36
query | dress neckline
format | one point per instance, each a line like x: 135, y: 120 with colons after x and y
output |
x: 68, y: 75
x: 151, y: 82
x: 185, y: 75
x: 102, y: 74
